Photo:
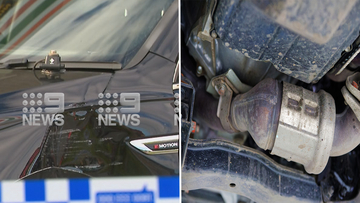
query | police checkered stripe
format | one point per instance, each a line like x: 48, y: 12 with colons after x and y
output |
x: 163, y: 189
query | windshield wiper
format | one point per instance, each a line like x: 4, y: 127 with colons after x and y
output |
x: 13, y: 63
x: 52, y: 67
x: 18, y: 63
x: 23, y: 62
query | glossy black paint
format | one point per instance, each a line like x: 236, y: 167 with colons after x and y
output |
x: 36, y: 152
x: 152, y: 78
x: 83, y: 146
x: 16, y: 79
x: 162, y: 40
x: 164, y: 44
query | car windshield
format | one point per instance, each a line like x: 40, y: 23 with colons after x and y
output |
x: 80, y: 30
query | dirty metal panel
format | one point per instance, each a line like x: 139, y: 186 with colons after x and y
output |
x: 261, y: 35
x: 314, y: 20
x: 244, y: 171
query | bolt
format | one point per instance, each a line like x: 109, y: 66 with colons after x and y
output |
x: 213, y: 34
x: 343, y: 192
x: 53, y: 52
x: 221, y: 89
x: 348, y: 49
x: 315, y: 81
x: 199, y: 70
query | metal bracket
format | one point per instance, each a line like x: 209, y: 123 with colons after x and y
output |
x: 225, y: 91
x: 346, y: 59
x: 232, y: 80
x: 352, y: 94
x: 207, y: 27
x: 208, y: 24
x: 355, y: 78
x: 225, y: 85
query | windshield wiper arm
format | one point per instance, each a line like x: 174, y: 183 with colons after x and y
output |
x: 16, y: 63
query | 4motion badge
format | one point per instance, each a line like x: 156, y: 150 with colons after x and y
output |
x: 157, y: 145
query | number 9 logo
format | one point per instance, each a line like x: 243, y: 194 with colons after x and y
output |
x: 130, y: 99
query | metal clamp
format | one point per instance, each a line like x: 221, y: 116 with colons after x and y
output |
x: 225, y: 85
x: 208, y: 26
x: 352, y: 94
x: 223, y: 109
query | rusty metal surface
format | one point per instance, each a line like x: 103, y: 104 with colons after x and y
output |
x: 258, y: 111
x: 231, y: 79
x: 225, y: 86
x: 223, y: 109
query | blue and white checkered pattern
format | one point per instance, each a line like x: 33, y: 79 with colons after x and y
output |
x: 121, y: 190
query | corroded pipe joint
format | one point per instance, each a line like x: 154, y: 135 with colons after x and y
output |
x: 258, y: 112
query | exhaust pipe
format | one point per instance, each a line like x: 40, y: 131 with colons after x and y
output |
x: 347, y: 133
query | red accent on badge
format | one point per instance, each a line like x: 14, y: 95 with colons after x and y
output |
x: 156, y: 146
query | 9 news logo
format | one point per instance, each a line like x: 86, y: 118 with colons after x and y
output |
x: 34, y: 113
x: 109, y: 114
